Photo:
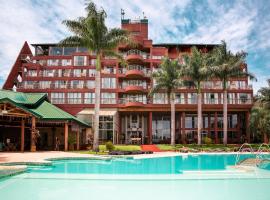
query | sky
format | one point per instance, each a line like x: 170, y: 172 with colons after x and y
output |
x: 243, y: 24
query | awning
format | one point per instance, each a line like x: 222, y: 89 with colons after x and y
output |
x: 102, y: 112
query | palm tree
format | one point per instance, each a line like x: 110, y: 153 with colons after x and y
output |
x: 168, y: 78
x: 92, y: 33
x: 195, y: 69
x: 224, y: 66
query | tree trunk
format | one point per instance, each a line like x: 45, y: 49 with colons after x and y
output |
x: 97, y: 104
x: 265, y: 138
x: 172, y: 120
x: 225, y: 118
x: 199, y: 103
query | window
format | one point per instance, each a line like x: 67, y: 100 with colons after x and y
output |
x: 58, y: 98
x: 55, y: 51
x: 108, y: 83
x: 108, y: 98
x: 92, y: 72
x: 108, y: 70
x: 74, y: 98
x: 60, y: 84
x: 211, y: 98
x: 82, y: 49
x: 134, y: 98
x: 29, y: 84
x: 53, y: 62
x: 76, y: 84
x: 32, y: 72
x: 192, y: 98
x: 244, y: 98
x: 160, y: 98
x: 79, y: 72
x: 191, y: 121
x: 89, y: 98
x: 80, y: 60
x: 66, y: 62
x: 93, y: 62
x: 69, y: 50
x: 48, y: 73
x: 179, y: 98
x: 44, y: 84
x: 90, y: 84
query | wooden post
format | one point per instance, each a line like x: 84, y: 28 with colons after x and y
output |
x: 66, y: 136
x: 22, y: 134
x: 247, y: 126
x: 216, y: 127
x: 150, y: 128
x: 78, y: 139
x: 183, y: 132
x: 33, y: 136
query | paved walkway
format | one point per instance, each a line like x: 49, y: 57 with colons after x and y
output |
x: 40, y: 157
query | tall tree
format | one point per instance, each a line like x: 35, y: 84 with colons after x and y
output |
x: 224, y: 66
x: 168, y: 78
x: 91, y: 32
x: 195, y: 69
x: 264, y: 96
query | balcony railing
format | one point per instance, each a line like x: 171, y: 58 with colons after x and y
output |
x: 136, y: 52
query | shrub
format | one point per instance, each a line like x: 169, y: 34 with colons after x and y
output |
x: 207, y: 140
x: 109, y: 146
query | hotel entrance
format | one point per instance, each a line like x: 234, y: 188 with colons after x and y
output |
x: 134, y: 129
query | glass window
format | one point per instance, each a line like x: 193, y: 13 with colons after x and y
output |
x: 32, y: 72
x: 74, y: 98
x: 108, y: 82
x: 161, y: 126
x: 82, y: 49
x: 76, y: 84
x: 108, y: 98
x: 48, y: 73
x: 80, y: 60
x: 192, y: 98
x: 53, y: 62
x: 69, y: 50
x: 160, y: 98
x: 89, y: 98
x: 191, y: 121
x: 92, y: 72
x: 55, y: 51
x: 90, y: 84
x: 60, y: 84
x: 58, y: 98
x: 79, y: 72
x: 93, y: 62
x: 66, y: 62
x: 44, y: 84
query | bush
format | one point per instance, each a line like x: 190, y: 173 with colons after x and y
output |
x: 207, y: 140
x: 109, y: 146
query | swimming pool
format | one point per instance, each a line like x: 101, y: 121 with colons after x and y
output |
x: 179, y: 177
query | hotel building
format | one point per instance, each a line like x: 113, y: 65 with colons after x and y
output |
x: 128, y: 115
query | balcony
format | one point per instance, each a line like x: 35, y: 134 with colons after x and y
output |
x: 134, y: 88
x: 132, y: 102
x: 135, y: 55
x: 135, y: 71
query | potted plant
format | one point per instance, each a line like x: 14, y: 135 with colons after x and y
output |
x: 71, y: 142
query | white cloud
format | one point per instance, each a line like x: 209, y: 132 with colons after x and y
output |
x: 243, y: 24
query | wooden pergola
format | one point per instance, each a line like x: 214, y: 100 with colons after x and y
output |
x: 18, y: 113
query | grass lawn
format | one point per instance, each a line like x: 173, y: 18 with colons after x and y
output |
x: 103, y: 150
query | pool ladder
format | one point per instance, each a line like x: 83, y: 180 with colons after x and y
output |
x: 258, y: 154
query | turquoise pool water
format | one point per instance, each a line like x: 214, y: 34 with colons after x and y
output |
x: 164, y: 165
x: 201, y: 177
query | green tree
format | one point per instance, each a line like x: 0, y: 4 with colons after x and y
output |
x: 224, y: 66
x: 195, y: 69
x: 264, y: 96
x: 91, y: 32
x: 168, y: 78
x: 260, y: 122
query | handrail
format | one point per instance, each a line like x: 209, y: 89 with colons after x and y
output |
x: 239, y: 151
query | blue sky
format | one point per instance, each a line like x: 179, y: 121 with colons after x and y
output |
x: 244, y: 24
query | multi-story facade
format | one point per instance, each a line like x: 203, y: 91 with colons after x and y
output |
x: 128, y: 115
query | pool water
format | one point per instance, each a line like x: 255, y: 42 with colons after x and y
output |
x: 155, y: 178
x: 162, y: 165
